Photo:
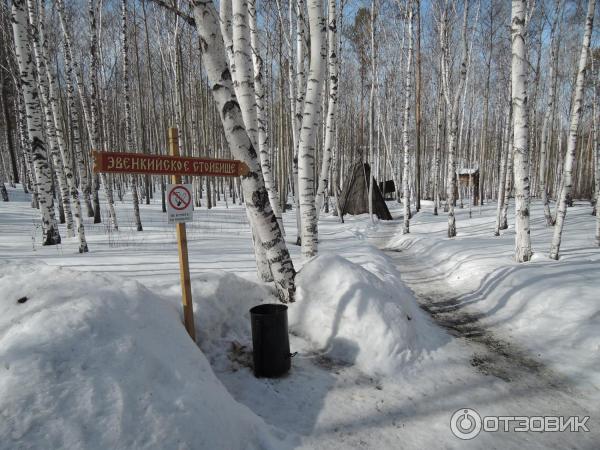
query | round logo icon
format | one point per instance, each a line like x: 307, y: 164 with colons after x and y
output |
x: 465, y: 423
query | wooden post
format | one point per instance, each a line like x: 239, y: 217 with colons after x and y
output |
x: 184, y: 267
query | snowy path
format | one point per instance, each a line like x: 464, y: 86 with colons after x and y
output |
x: 492, y: 354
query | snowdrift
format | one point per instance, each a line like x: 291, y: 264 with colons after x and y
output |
x: 361, y: 315
x: 96, y: 362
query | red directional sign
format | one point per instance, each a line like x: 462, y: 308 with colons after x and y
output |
x: 115, y: 162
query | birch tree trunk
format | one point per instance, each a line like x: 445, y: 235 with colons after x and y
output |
x: 71, y: 67
x: 437, y: 150
x: 308, y: 133
x: 94, y: 116
x: 453, y: 105
x: 3, y: 191
x: 548, y: 115
x: 67, y: 154
x: 572, y: 140
x: 255, y: 194
x: 509, y: 177
x: 38, y: 40
x: 405, y: 186
x: 331, y: 106
x: 128, y: 132
x: 506, y: 143
x: 521, y: 131
x: 597, y: 150
x: 595, y: 131
x: 34, y: 119
x: 263, y: 136
x: 300, y: 93
x: 234, y: 27
x: 372, y: 107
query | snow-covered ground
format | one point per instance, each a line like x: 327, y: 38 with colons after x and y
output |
x: 99, y: 359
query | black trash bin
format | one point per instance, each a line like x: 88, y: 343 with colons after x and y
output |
x: 270, y: 341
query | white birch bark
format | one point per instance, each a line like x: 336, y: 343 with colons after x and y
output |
x: 453, y: 104
x: 520, y: 132
x: 331, y: 106
x: 214, y: 60
x: 263, y: 136
x: 34, y: 120
x: 597, y: 156
x: 372, y: 107
x: 67, y: 156
x: 71, y: 67
x: 3, y: 191
x: 307, y: 144
x: 548, y: 115
x: 595, y: 144
x: 506, y: 143
x: 405, y: 176
x: 437, y: 151
x: 576, y: 112
x: 508, y: 184
x: 235, y: 29
x: 300, y: 93
x: 94, y: 112
x: 38, y: 40
x: 128, y: 121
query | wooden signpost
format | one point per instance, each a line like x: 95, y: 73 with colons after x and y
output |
x: 176, y: 166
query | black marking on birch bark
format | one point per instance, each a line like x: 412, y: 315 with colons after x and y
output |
x: 226, y: 75
x: 260, y: 198
x: 252, y: 152
x: 229, y: 106
x: 203, y: 45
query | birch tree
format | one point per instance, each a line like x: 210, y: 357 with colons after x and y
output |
x: 71, y: 70
x: 506, y: 144
x: 520, y: 131
x: 372, y: 106
x: 237, y: 49
x: 34, y: 121
x: 256, y: 198
x: 308, y: 132
x: 597, y: 149
x: 66, y: 153
x: 127, y: 103
x: 261, y: 115
x: 576, y: 111
x: 38, y: 40
x: 549, y: 114
x: 94, y: 115
x: 331, y: 105
x: 452, y: 105
x: 405, y: 185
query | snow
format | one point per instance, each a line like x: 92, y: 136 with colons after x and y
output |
x: 376, y: 324
x: 105, y: 362
x: 97, y: 361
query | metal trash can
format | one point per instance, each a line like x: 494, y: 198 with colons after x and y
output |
x: 270, y: 341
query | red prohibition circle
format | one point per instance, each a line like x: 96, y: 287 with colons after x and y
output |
x: 176, y: 199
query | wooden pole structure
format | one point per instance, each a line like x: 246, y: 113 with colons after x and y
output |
x: 184, y: 266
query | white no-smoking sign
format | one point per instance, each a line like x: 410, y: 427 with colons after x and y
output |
x: 180, y: 203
